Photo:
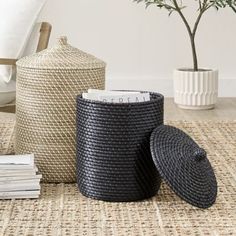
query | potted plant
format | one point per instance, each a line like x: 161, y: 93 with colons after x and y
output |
x: 194, y: 88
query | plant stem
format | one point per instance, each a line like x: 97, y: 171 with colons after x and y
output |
x: 183, y: 17
x: 192, y: 33
x: 194, y: 53
x: 202, y: 8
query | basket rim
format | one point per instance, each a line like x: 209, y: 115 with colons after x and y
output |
x: 160, y: 97
x: 57, y: 68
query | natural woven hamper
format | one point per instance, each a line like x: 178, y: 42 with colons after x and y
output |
x: 47, y: 85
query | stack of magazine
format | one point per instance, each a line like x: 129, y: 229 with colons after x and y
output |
x: 19, y: 177
x: 116, y: 96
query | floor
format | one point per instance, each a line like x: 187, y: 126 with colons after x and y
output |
x: 62, y: 210
x: 56, y: 212
x: 225, y: 110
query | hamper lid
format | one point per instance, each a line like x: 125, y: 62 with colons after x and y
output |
x: 184, y: 166
x: 61, y: 56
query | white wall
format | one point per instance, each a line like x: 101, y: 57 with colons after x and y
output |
x: 142, y: 47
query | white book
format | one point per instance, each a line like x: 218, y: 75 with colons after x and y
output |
x: 91, y: 96
x: 19, y: 197
x: 19, y: 187
x: 18, y: 182
x: 116, y: 96
x: 20, y: 194
x: 22, y: 178
x: 94, y: 94
x: 127, y: 98
x: 17, y: 167
x: 11, y: 173
x: 111, y: 92
x: 27, y: 159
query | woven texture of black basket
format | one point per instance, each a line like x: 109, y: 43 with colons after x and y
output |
x: 184, y: 166
x: 114, y: 160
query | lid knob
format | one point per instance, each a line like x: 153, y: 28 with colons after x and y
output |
x: 62, y: 41
x: 200, y: 154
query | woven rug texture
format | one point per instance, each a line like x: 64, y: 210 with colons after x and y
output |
x: 62, y: 210
x: 7, y: 135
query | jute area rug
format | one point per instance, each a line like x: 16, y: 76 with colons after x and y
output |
x: 62, y: 210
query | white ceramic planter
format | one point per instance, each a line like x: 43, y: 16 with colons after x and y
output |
x: 197, y: 90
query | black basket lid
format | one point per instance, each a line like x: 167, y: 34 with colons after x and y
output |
x: 184, y: 166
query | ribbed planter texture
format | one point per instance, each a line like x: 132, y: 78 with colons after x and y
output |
x: 196, y: 90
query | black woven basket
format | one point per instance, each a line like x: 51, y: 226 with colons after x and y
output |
x: 114, y: 162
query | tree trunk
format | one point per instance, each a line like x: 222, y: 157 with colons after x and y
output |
x: 194, y: 53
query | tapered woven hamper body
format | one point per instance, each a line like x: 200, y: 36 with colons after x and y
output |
x: 114, y: 162
x: 47, y: 85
